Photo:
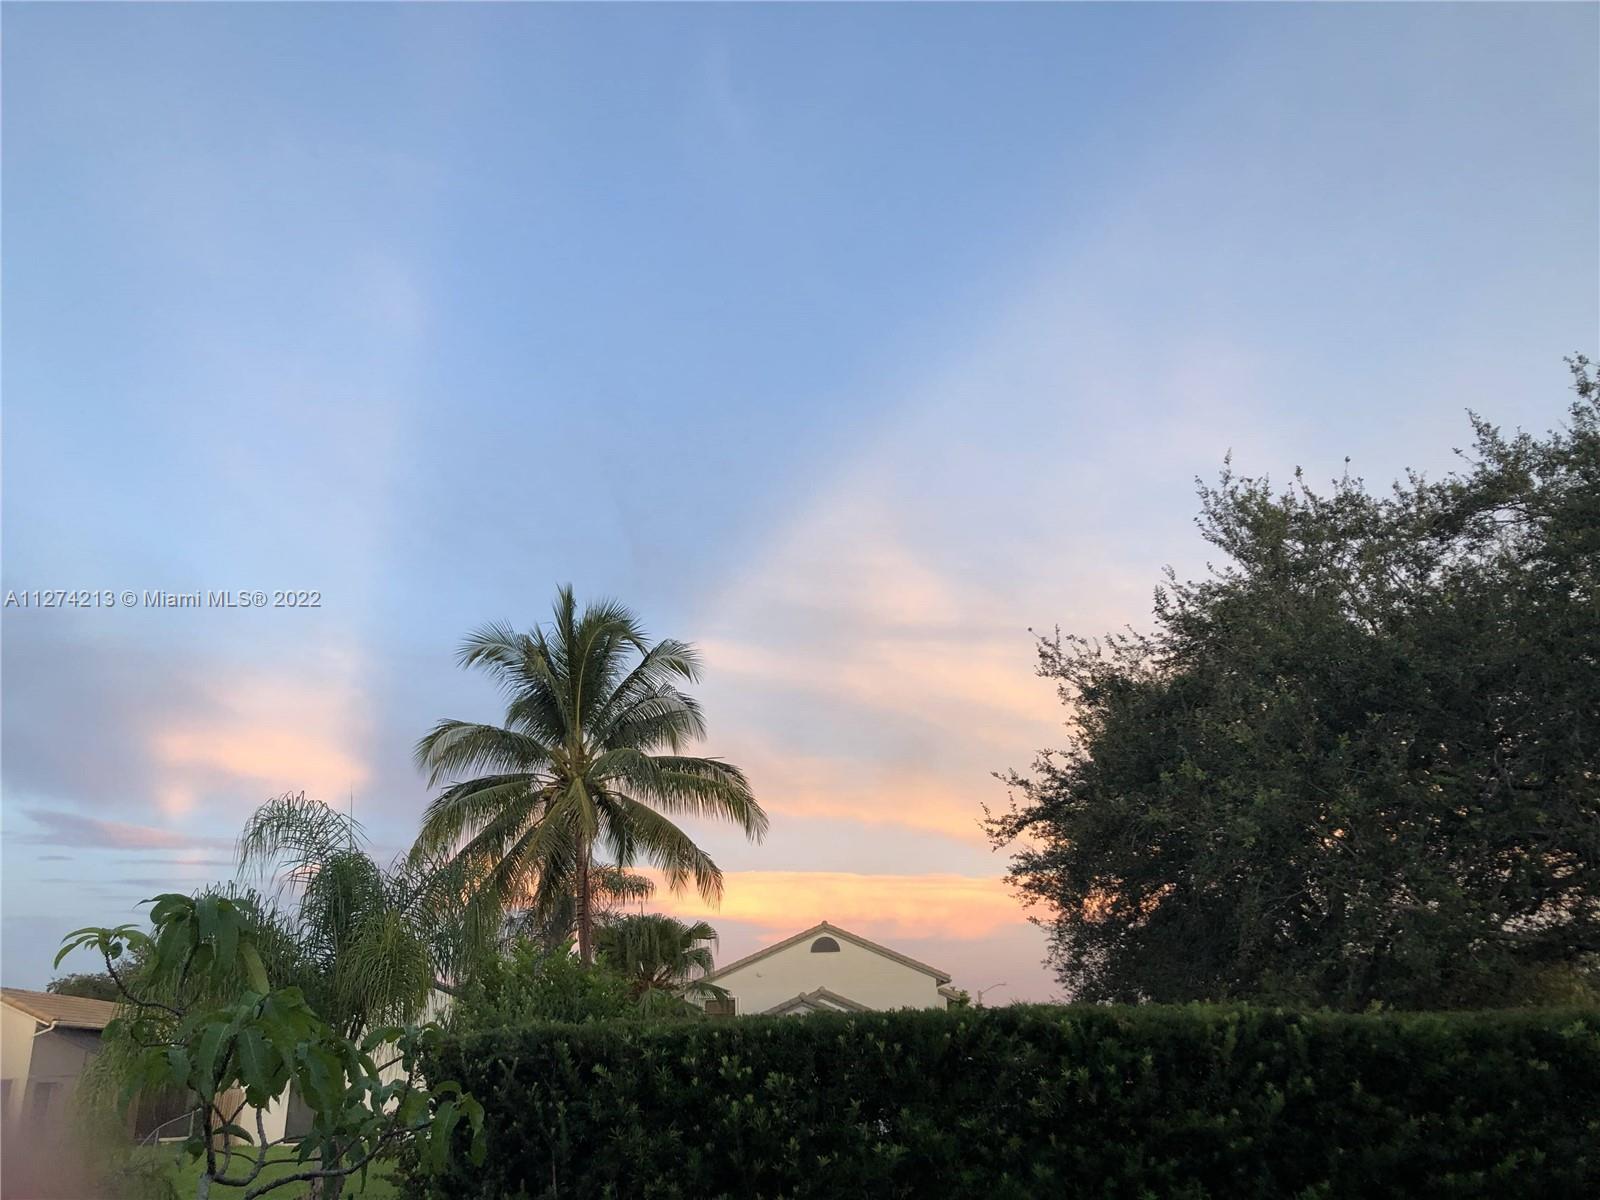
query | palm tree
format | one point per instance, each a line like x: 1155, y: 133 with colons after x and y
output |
x: 556, y: 924
x: 371, y: 943
x: 662, y: 958
x: 589, y: 756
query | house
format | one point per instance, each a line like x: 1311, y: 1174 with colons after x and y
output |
x: 45, y: 1042
x: 827, y: 969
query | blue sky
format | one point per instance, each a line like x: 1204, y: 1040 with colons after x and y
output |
x: 850, y: 342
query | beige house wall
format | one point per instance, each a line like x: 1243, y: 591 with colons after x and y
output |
x: 854, y: 972
x: 16, y: 1054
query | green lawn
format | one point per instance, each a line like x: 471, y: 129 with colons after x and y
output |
x: 186, y: 1175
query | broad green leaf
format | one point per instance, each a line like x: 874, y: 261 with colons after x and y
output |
x: 254, y: 972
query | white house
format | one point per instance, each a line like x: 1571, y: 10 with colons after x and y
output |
x: 827, y: 969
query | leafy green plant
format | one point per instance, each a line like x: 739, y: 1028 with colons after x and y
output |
x: 531, y: 984
x: 91, y: 985
x: 211, y: 1024
x: 367, y: 943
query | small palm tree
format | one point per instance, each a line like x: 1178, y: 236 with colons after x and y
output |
x: 556, y: 924
x: 661, y: 957
x: 371, y: 943
x: 589, y: 757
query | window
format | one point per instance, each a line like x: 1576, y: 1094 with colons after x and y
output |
x: 40, y: 1097
x: 824, y: 945
x: 720, y: 1008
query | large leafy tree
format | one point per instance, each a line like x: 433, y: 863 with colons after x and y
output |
x: 588, y: 761
x: 663, y: 959
x: 1358, y: 763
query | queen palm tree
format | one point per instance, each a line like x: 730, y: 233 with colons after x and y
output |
x: 370, y: 943
x: 663, y: 959
x: 589, y: 757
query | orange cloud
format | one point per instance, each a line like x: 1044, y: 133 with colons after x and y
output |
x: 845, y: 622
x: 958, y: 906
x: 277, y: 735
x: 871, y: 792
x: 984, y: 689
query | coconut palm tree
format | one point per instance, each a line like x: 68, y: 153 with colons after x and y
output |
x: 371, y: 943
x: 589, y: 758
x: 662, y: 958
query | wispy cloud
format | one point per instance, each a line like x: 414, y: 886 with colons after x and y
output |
x: 69, y: 829
x: 270, y: 732
x: 191, y: 730
x: 870, y: 790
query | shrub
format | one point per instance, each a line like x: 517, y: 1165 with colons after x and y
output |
x: 1062, y: 1102
x: 532, y: 984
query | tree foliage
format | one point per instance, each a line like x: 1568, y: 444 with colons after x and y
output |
x: 530, y: 984
x: 234, y: 1042
x: 91, y: 985
x: 663, y: 959
x: 554, y: 923
x: 1358, y: 763
x: 590, y: 756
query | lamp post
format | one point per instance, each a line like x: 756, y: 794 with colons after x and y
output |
x: 990, y: 988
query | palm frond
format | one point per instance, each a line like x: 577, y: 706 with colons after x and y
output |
x: 661, y: 843
x: 452, y: 747
x: 467, y: 809
x: 292, y: 832
x: 704, y: 787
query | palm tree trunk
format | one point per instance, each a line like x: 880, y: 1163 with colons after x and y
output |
x: 585, y: 910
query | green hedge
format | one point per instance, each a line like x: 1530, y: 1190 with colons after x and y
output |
x: 1051, y: 1102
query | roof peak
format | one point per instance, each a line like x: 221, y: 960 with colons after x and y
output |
x: 829, y: 927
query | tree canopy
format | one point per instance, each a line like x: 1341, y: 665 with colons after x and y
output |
x: 91, y: 985
x: 1359, y: 762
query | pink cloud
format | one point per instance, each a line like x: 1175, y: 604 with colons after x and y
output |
x: 266, y: 731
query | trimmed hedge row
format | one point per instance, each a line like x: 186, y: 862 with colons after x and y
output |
x: 1184, y: 1102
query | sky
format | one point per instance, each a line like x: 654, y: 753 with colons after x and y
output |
x: 851, y: 343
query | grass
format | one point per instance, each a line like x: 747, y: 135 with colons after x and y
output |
x: 185, y: 1177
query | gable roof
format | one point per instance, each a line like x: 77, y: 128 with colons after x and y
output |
x: 820, y: 1000
x: 834, y: 931
x: 68, y: 1012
